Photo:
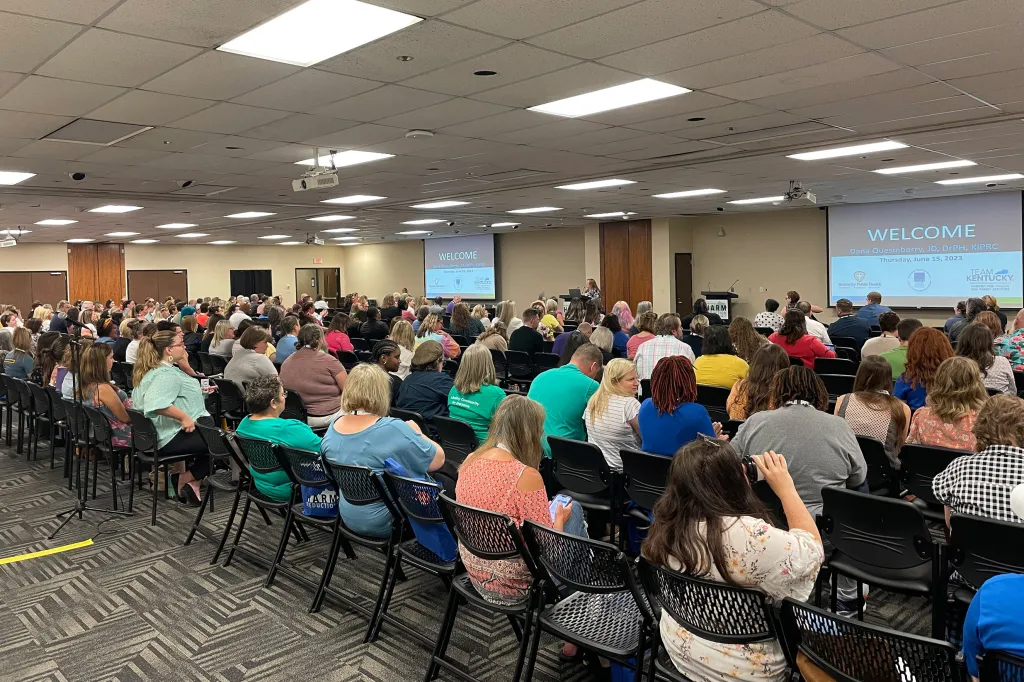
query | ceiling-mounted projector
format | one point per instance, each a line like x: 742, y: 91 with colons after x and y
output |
x: 10, y: 241
x: 798, y: 195
x: 315, y: 181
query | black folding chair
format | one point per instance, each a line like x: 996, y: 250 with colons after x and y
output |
x: 882, y: 478
x: 520, y: 366
x: 206, y: 365
x: 764, y: 331
x: 128, y: 369
x: 144, y: 450
x: 231, y: 401
x: 544, y: 361
x: 835, y: 366
x: 1001, y: 666
x: 410, y: 416
x: 13, y: 403
x: 222, y: 451
x: 103, y: 441
x: 118, y: 377
x: 457, y: 439
x: 837, y: 384
x: 582, y: 472
x: 846, y: 353
x: 645, y: 389
x: 58, y: 418
x: 643, y: 482
x: 500, y: 365
x: 360, y: 344
x: 27, y: 417
x: 919, y: 465
x: 732, y: 427
x: 44, y: 415
x: 712, y: 396
x: 1018, y: 380
x: 348, y: 359
x: 795, y: 362
x: 451, y: 367
x: 294, y: 408
x: 219, y: 363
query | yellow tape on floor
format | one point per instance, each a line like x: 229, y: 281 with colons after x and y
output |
x: 45, y: 552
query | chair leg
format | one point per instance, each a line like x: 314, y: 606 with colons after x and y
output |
x: 638, y: 666
x: 516, y: 628
x: 281, y: 546
x: 655, y: 638
x: 834, y: 597
x: 238, y: 535
x: 131, y: 477
x: 227, y: 527
x: 860, y: 601
x: 156, y: 490
x: 442, y: 635
x: 53, y: 442
x: 390, y: 566
x: 113, y: 477
x: 529, y: 633
x: 199, y: 517
x: 328, y: 572
x: 531, y: 652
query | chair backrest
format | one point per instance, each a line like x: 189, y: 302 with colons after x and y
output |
x: 715, y: 611
x: 231, y: 398
x: 795, y: 362
x: 358, y: 485
x: 214, y: 438
x: 543, y: 361
x: 845, y: 341
x: 347, y: 358
x: 500, y: 363
x: 579, y: 563
x: 417, y: 499
x: 980, y: 548
x: 835, y: 366
x: 128, y: 369
x: 294, y: 408
x: 486, y: 534
x: 101, y: 430
x: 451, y: 367
x: 143, y: 431
x: 117, y: 375
x: 206, y: 365
x: 764, y: 331
x: 303, y: 467
x: 77, y: 422
x: 1018, y: 380
x: 360, y: 344
x: 645, y: 389
x: 712, y: 396
x: 457, y: 438
x: 1001, y: 666
x: 644, y: 476
x: 11, y: 389
x: 881, y: 475
x: 732, y: 427
x: 56, y: 403
x: 919, y: 464
x: 219, y: 363
x: 24, y: 395
x: 460, y: 339
x: 40, y: 399
x: 579, y: 467
x: 877, y: 531
x: 259, y: 454
x: 410, y: 416
x: 837, y: 384
x: 849, y: 650
x: 846, y: 353
x: 520, y: 365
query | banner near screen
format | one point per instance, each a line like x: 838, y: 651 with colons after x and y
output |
x: 460, y: 266
x: 927, y: 252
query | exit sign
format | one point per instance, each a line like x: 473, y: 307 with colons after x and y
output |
x: 318, y: 261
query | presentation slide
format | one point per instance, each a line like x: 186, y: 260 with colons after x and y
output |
x: 927, y: 252
x: 460, y: 266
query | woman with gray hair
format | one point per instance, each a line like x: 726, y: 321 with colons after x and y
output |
x: 641, y: 308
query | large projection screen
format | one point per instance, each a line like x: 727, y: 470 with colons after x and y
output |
x: 460, y: 266
x: 927, y: 253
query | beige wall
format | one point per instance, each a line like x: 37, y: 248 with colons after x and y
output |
x: 30, y: 257
x: 380, y: 269
x: 549, y: 261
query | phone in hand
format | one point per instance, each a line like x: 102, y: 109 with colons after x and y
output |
x: 559, y: 499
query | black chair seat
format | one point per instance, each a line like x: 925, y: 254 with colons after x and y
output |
x: 917, y: 579
x: 320, y: 521
x: 610, y: 622
x: 930, y: 513
x: 964, y: 595
x: 421, y: 557
x: 264, y: 501
x: 665, y: 669
x: 221, y: 480
x: 590, y: 501
x: 463, y: 585
x: 148, y: 458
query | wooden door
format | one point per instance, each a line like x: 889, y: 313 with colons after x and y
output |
x: 157, y: 284
x: 21, y: 289
x: 684, y: 284
x: 96, y: 272
x: 306, y: 282
x: 626, y: 263
x: 329, y: 286
x: 173, y: 283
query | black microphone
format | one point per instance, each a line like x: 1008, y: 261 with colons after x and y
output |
x: 731, y: 286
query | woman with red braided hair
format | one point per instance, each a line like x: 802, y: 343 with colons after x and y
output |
x: 671, y: 418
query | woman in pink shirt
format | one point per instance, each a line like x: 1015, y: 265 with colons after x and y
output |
x: 337, y: 336
x: 794, y: 339
x: 645, y: 323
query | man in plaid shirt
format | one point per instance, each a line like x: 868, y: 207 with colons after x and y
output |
x: 666, y: 343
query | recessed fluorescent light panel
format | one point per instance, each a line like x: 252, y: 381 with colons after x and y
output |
x: 353, y: 199
x: 56, y: 221
x: 120, y: 234
x: 441, y: 204
x: 759, y: 200
x: 504, y: 224
x: 77, y: 241
x: 959, y: 163
x: 145, y: 241
x: 274, y: 236
x: 870, y: 148
x: 689, y: 193
x: 175, y: 226
x: 424, y: 221
x: 616, y: 97
x: 598, y: 184
x: 114, y: 208
x: 221, y: 242
x: 250, y: 214
x: 537, y: 209
x: 613, y: 214
x: 349, y: 158
x: 985, y: 178
x: 414, y: 232
x: 343, y: 238
x: 192, y: 235
x: 331, y: 218
x: 13, y: 177
x: 288, y: 243
x: 342, y: 229
x: 317, y: 30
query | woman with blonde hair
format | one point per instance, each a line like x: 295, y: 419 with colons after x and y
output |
x: 551, y: 316
x: 611, y: 415
x: 44, y: 313
x: 694, y: 335
x: 955, y: 395
x: 506, y: 312
x: 223, y: 339
x: 990, y: 320
x: 366, y: 436
x: 19, y: 363
x: 644, y: 327
x: 432, y: 330
x: 480, y: 313
x: 603, y: 338
x: 476, y: 395
x: 403, y: 335
x: 495, y: 337
x: 621, y: 310
x: 745, y: 338
x: 992, y: 305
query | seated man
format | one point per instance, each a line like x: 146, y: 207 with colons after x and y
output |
x: 527, y: 339
x: 889, y: 340
x: 666, y: 342
x: 897, y: 357
x: 564, y: 393
x: 814, y: 328
x: 850, y: 325
x: 873, y: 308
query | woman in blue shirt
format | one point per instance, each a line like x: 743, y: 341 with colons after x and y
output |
x: 619, y: 337
x: 670, y: 418
x: 18, y: 363
x: 366, y: 436
x: 926, y: 349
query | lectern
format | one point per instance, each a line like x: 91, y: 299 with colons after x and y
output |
x: 720, y: 303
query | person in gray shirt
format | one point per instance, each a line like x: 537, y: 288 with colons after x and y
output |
x: 249, y: 359
x: 820, y: 448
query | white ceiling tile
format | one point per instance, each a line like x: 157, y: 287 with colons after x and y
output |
x: 149, y: 108
x: 965, y: 44
x: 944, y: 118
x: 421, y: 8
x: 513, y: 63
x: 169, y: 139
x: 517, y: 119
x: 299, y: 127
x: 78, y: 12
x: 285, y: 154
x: 385, y: 101
x: 885, y: 82
x: 208, y: 162
x: 99, y: 56
x: 673, y: 149
x: 32, y: 126
x: 531, y: 17
x: 838, y: 71
x: 8, y: 79
x: 711, y: 130
x: 306, y: 90
x: 42, y: 95
x: 640, y: 24
x: 28, y: 41
x: 444, y: 114
x: 934, y: 23
x: 193, y: 22
x: 833, y: 15
x: 51, y: 149
x: 680, y: 123
x: 979, y: 65
x: 408, y: 145
x: 358, y: 136
x: 574, y: 80
x: 431, y: 44
x: 683, y: 104
x: 220, y: 75
x: 228, y: 118
x: 9, y: 145
x: 122, y: 156
x: 921, y: 94
x: 236, y: 146
x: 558, y: 128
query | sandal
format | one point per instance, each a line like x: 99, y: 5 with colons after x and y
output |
x: 187, y: 495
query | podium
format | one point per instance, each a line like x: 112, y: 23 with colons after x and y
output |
x: 720, y: 303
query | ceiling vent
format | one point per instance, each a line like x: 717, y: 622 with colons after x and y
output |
x: 98, y: 133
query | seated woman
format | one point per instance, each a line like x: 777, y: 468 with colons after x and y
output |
x: 265, y: 398
x: 223, y: 339
x: 693, y: 334
x: 386, y: 355
x: 710, y: 524
x: 356, y: 318
x: 426, y: 388
x: 745, y: 339
x: 619, y: 337
x: 421, y: 314
x: 106, y: 331
x: 926, y: 350
x: 612, y: 414
x: 192, y: 339
x: 174, y: 402
x: 19, y: 363
x: 337, y: 334
x: 52, y: 361
x: 373, y: 329
x: 552, y: 317
x: 644, y: 324
x: 211, y: 328
x: 249, y: 359
x: 402, y: 334
x: 975, y: 342
x: 753, y: 394
x: 494, y: 337
x: 797, y: 343
x: 871, y: 410
x: 718, y: 364
x: 463, y: 323
x: 432, y: 330
x: 480, y: 313
x: 315, y: 375
x: 574, y: 313
x: 475, y: 395
x: 1011, y: 344
x: 502, y: 477
x: 603, y: 338
x: 621, y: 310
x: 95, y: 389
x: 671, y: 417
x: 955, y: 396
x: 366, y: 436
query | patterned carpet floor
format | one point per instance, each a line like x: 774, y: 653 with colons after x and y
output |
x: 139, y: 605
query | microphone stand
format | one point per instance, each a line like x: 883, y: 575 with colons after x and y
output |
x: 82, y: 495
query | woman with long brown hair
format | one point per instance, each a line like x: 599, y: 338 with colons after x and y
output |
x: 336, y: 336
x: 797, y: 343
x: 871, y: 410
x: 926, y: 349
x: 976, y: 342
x: 955, y: 396
x: 95, y: 388
x: 745, y: 339
x: 709, y: 523
x: 753, y: 394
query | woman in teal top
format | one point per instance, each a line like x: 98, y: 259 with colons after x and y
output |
x: 173, y: 401
x: 476, y: 395
x: 265, y: 398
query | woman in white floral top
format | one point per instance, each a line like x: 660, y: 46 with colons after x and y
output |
x: 709, y: 523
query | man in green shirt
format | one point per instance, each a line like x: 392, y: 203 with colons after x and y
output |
x: 897, y: 357
x: 564, y: 393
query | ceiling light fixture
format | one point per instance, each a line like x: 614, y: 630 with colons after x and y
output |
x: 853, y: 150
x: 78, y: 240
x: 758, y: 200
x: 145, y: 241
x: 14, y: 177
x: 120, y: 234
x: 959, y: 163
x: 984, y: 178
x: 414, y: 232
x: 288, y: 243
x: 250, y: 214
x: 424, y: 221
x: 192, y: 235
x: 343, y: 238
x: 616, y: 97
x: 56, y: 221
x: 613, y: 214
x: 597, y: 184
x: 175, y: 226
x: 505, y: 224
x: 331, y: 218
x: 689, y: 193
x: 274, y: 236
x: 351, y: 157
x: 317, y: 30
x: 115, y: 208
x: 221, y: 242
x: 537, y: 209
x: 353, y: 199
x: 342, y: 229
x: 440, y: 204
